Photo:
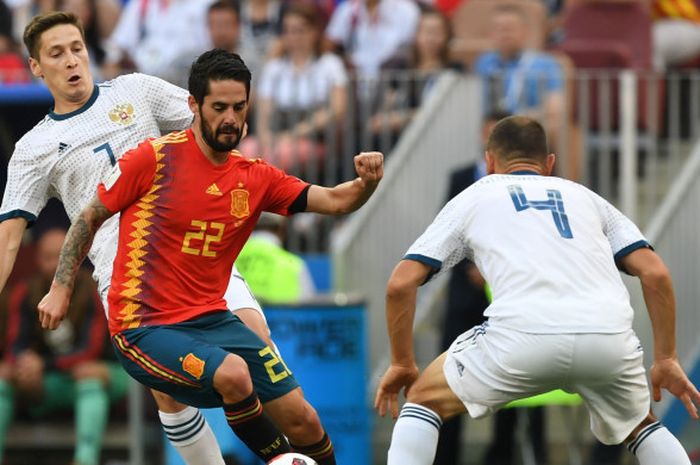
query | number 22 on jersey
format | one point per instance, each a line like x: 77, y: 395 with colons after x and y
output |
x: 554, y: 203
x: 202, y: 227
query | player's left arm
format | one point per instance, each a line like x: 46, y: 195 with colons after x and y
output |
x: 53, y: 307
x: 348, y: 196
x: 657, y: 288
x: 402, y: 289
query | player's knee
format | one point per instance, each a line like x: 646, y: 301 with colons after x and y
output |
x: 420, y: 393
x: 232, y: 379
x: 648, y: 420
x: 304, y: 426
x: 167, y: 404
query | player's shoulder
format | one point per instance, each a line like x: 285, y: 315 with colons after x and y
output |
x: 171, y: 138
x: 131, y: 82
x: 36, y: 138
x: 248, y: 162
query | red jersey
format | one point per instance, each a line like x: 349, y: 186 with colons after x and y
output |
x: 183, y: 222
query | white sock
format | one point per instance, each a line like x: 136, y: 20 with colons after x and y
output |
x: 415, y: 436
x: 189, y: 433
x: 656, y: 445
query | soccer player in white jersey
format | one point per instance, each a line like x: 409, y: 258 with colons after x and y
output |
x: 560, y: 317
x: 71, y: 151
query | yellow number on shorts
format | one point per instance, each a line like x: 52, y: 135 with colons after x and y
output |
x: 199, y: 235
x: 270, y: 365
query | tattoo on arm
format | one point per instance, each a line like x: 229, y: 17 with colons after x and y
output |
x: 79, y: 240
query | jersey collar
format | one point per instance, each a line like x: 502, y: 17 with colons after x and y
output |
x: 86, y: 106
x: 524, y: 172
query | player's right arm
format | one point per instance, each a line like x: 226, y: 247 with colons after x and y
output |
x: 401, y: 293
x: 54, y: 306
x: 657, y: 288
x: 131, y: 177
x: 25, y: 195
x: 11, y: 232
x: 439, y: 248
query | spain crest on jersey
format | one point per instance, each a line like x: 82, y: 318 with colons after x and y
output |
x: 239, y: 202
x: 193, y: 365
x: 122, y: 114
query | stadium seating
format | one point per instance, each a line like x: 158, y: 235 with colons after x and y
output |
x: 471, y: 24
x: 611, y: 35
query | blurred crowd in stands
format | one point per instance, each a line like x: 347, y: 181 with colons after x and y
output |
x: 331, y: 77
x: 313, y: 60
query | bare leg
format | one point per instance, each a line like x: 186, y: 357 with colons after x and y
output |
x: 254, y: 320
x: 300, y: 422
x: 429, y: 401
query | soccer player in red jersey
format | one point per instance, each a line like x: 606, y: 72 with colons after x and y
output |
x: 188, y: 203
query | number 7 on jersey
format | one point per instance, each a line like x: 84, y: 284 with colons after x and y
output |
x: 554, y: 203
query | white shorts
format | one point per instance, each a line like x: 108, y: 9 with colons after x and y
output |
x: 487, y: 367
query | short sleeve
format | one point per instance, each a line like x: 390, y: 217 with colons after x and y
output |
x: 126, y: 32
x: 282, y: 189
x: 268, y: 79
x: 338, y: 29
x: 410, y: 19
x: 27, y: 189
x: 130, y: 179
x: 554, y: 75
x: 334, y: 70
x: 442, y: 245
x: 623, y: 235
x: 167, y: 102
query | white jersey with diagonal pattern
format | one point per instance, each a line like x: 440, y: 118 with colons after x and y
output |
x: 67, y: 156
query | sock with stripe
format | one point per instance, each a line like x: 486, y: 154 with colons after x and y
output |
x: 91, y: 413
x: 7, y: 396
x: 322, y: 452
x: 656, y: 445
x: 191, y: 436
x: 415, y: 436
x: 252, y: 426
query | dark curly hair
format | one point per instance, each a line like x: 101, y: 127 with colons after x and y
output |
x: 216, y: 65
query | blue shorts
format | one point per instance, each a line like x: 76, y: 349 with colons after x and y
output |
x: 181, y: 359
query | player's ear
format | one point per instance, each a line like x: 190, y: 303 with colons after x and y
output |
x: 35, y: 68
x: 490, y: 163
x: 194, y: 108
x: 549, y: 164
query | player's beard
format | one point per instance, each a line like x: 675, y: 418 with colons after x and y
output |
x: 211, y: 138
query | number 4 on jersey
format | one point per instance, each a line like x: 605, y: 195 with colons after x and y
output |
x: 554, y: 203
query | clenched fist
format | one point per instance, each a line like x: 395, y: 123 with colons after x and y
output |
x: 370, y: 166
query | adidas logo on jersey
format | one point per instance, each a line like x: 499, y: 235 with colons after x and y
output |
x: 62, y: 147
x: 213, y: 190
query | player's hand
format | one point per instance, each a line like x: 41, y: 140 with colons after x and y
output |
x: 396, y: 378
x: 54, y: 306
x: 370, y: 167
x: 668, y: 374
